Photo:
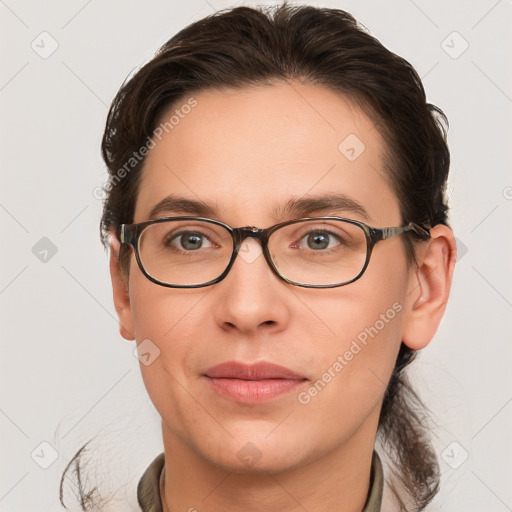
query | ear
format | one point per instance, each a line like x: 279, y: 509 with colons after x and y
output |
x: 429, y: 287
x: 120, y: 291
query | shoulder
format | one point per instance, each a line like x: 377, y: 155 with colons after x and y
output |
x: 148, y: 489
x: 374, y: 501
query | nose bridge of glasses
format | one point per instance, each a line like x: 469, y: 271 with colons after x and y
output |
x: 245, y: 232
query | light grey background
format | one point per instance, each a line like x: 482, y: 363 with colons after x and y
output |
x: 67, y: 375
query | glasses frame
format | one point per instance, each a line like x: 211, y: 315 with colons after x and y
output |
x: 130, y: 234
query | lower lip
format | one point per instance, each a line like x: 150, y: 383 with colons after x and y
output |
x: 253, y: 391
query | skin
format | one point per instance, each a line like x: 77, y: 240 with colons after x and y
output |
x: 245, y: 150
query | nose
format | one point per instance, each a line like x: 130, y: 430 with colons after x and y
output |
x: 251, y: 298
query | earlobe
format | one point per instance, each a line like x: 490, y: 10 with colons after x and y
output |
x: 429, y: 288
x: 120, y: 292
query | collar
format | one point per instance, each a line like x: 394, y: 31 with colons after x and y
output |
x: 148, y: 489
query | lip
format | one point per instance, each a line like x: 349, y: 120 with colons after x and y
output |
x: 252, y: 383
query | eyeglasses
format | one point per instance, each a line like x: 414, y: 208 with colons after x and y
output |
x: 312, y: 252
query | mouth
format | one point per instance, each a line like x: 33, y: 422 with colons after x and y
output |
x: 252, y: 383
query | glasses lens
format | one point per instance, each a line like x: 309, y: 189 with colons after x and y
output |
x: 185, y: 252
x: 319, y: 252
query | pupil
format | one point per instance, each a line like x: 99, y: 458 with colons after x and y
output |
x: 191, y: 241
x: 318, y: 241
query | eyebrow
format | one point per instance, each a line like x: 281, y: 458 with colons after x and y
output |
x: 294, y: 207
x: 175, y: 204
x: 333, y: 202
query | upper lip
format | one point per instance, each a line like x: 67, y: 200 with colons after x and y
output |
x: 254, y: 371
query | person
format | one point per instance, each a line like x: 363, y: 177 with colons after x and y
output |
x: 280, y: 252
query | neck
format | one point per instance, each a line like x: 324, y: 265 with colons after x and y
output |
x: 338, y: 480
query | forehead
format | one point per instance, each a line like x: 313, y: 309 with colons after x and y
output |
x: 247, y: 151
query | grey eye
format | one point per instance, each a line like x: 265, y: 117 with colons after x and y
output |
x: 318, y: 241
x: 191, y: 241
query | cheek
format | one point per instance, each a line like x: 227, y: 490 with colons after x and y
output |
x: 365, y: 320
x: 168, y: 324
x: 363, y: 345
x: 161, y: 313
x: 352, y: 374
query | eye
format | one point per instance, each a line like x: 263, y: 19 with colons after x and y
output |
x: 319, y: 240
x: 189, y: 241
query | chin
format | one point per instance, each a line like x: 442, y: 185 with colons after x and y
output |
x: 257, y: 454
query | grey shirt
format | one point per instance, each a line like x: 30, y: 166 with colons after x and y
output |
x: 148, y: 490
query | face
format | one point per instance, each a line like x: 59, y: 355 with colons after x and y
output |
x: 248, y: 153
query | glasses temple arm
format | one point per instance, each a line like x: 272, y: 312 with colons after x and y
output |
x: 385, y: 233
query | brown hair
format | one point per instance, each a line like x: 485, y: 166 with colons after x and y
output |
x: 244, y: 47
